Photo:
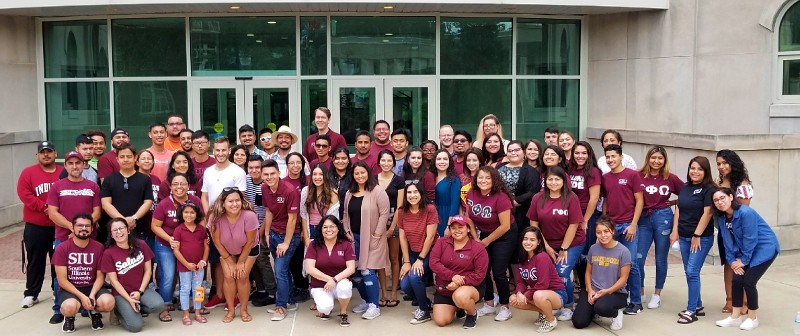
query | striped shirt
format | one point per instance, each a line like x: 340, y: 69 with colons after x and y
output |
x: 253, y: 195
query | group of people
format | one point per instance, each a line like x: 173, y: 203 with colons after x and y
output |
x: 506, y: 222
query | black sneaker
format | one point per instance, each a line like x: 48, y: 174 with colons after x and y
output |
x: 460, y: 313
x: 69, y: 324
x: 406, y: 297
x: 56, y: 319
x: 97, y: 321
x: 343, y: 320
x: 421, y: 316
x: 324, y: 317
x: 471, y: 321
x: 84, y: 313
x: 633, y: 309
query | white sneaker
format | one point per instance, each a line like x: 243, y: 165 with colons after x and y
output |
x: 503, y: 314
x: 540, y: 320
x: 730, y: 322
x: 372, y: 312
x: 616, y: 322
x: 655, y: 301
x: 547, y: 326
x: 597, y: 318
x: 749, y: 324
x: 486, y: 310
x: 28, y: 302
x: 566, y: 314
x: 361, y: 307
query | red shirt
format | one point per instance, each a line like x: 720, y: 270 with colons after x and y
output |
x: 458, y: 166
x: 167, y: 212
x: 33, y: 187
x: 484, y: 210
x: 337, y: 140
x: 537, y: 273
x: 619, y: 189
x: 581, y: 185
x: 72, y: 198
x: 371, y: 160
x: 107, y: 164
x: 82, y: 263
x: 327, y: 163
x: 657, y: 190
x: 554, y: 219
x: 165, y: 190
x: 375, y: 148
x: 295, y: 182
x: 470, y: 262
x: 130, y: 270
x: 330, y: 263
x: 193, y: 244
x: 415, y: 225
x: 282, y: 202
x: 200, y: 168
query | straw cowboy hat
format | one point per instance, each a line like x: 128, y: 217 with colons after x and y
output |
x: 283, y: 130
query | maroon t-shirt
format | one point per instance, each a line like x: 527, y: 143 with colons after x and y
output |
x: 164, y: 189
x: 295, y: 182
x: 657, y: 190
x: 537, y: 273
x: 167, y: 212
x: 200, y: 168
x: 619, y: 189
x: 554, y: 219
x: 371, y: 160
x: 107, y: 164
x: 130, y: 270
x: 326, y: 163
x: 193, y: 244
x: 73, y: 198
x: 330, y: 263
x: 282, y: 202
x: 337, y: 140
x: 458, y: 166
x: 484, y: 210
x: 415, y: 225
x: 581, y: 184
x: 82, y: 263
x: 375, y: 148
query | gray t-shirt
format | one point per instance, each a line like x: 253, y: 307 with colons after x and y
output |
x: 606, y: 265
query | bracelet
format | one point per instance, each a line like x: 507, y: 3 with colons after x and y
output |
x: 334, y: 280
x: 140, y: 292
x: 420, y: 258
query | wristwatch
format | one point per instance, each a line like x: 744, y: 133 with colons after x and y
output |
x: 561, y: 249
x: 134, y: 217
x: 696, y: 235
x: 420, y: 258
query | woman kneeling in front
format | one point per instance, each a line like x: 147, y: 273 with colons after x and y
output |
x: 330, y: 261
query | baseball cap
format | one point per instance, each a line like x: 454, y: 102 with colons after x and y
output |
x: 83, y: 139
x: 72, y: 154
x: 45, y: 145
x: 118, y: 130
x: 459, y: 219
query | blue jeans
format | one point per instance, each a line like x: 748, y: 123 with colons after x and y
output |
x: 285, y: 284
x: 414, y: 284
x: 56, y: 302
x: 565, y: 272
x: 190, y: 280
x: 692, y: 264
x: 366, y: 281
x: 591, y: 236
x: 634, y: 279
x: 655, y: 228
x: 165, y: 272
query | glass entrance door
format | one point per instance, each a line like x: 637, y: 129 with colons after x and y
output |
x: 404, y: 103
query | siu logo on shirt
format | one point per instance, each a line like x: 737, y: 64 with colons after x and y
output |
x: 623, y: 181
x: 280, y: 199
x: 340, y: 253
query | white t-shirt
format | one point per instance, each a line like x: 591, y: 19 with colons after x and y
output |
x: 627, y: 162
x: 214, y: 180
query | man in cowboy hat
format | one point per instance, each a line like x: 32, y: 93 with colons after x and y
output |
x: 284, y: 139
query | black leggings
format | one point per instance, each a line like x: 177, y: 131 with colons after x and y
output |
x: 605, y: 306
x: 501, y: 252
x: 747, y: 282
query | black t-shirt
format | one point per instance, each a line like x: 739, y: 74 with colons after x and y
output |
x: 691, y: 201
x: 354, y: 211
x: 396, y: 184
x: 127, y: 201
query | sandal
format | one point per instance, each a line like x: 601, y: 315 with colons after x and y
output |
x: 164, y: 316
x: 382, y: 302
x: 247, y: 317
x: 701, y: 311
x: 686, y: 317
x: 313, y: 306
x: 204, y: 311
x: 200, y: 319
x: 228, y: 318
x: 728, y: 308
x: 392, y: 303
x: 187, y: 320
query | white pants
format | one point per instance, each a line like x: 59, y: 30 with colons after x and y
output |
x: 325, y: 300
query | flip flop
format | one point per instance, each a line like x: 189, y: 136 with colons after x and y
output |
x: 187, y: 320
x: 164, y: 316
x: 383, y: 302
x: 392, y: 303
x: 313, y: 306
x: 228, y: 318
x: 247, y: 317
x: 204, y: 311
x: 200, y: 319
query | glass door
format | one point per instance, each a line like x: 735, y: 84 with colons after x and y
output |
x: 410, y: 104
x: 357, y: 104
x: 272, y: 104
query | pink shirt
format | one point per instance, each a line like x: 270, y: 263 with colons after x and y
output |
x: 233, y: 236
x: 160, y: 163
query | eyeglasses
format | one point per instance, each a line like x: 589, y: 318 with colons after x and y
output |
x: 125, y: 180
x: 321, y: 146
x: 269, y: 138
x: 294, y: 163
x: 515, y: 150
x: 83, y: 225
x: 429, y: 150
x: 227, y: 189
x: 459, y: 140
x: 719, y: 199
x: 120, y: 229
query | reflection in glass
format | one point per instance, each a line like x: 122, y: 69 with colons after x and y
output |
x: 410, y: 111
x: 247, y: 46
x: 476, y: 46
x: 548, y: 47
x: 463, y: 102
x: 270, y: 105
x: 72, y: 108
x: 149, y: 47
x: 313, y: 94
x: 542, y: 103
x: 75, y: 49
x: 313, y: 46
x: 383, y: 45
x: 218, y: 106
x: 791, y: 77
x: 789, y: 33
x: 357, y: 107
x: 138, y: 104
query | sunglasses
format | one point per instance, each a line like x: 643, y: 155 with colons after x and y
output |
x: 125, y: 181
x: 459, y: 140
x: 227, y: 189
x: 266, y: 138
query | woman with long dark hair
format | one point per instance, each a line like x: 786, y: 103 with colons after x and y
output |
x: 533, y: 151
x: 585, y: 182
x: 295, y: 172
x: 340, y: 172
x: 317, y: 200
x: 394, y: 185
x: 448, y: 188
x: 473, y: 160
x: 494, y: 150
x: 239, y: 156
x: 566, y: 141
x: 415, y: 171
x: 182, y: 163
x: 330, y: 261
x: 552, y: 156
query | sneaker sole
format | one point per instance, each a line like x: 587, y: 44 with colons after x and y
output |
x: 370, y: 317
x: 419, y: 321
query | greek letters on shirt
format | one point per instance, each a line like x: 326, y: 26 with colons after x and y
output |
x: 72, y: 192
x: 663, y: 190
x: 480, y: 210
x: 528, y: 274
x: 578, y: 182
x: 129, y: 263
x: 623, y: 181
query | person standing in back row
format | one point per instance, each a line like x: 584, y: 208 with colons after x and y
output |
x: 322, y: 119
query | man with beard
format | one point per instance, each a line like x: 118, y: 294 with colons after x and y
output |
x: 399, y: 147
x: 107, y: 164
x: 99, y: 139
x: 33, y: 187
x: 69, y: 197
x: 322, y: 119
x: 186, y: 140
x: 364, y: 152
x: 462, y: 141
x: 161, y: 155
x: 284, y: 139
x: 84, y: 145
x: 174, y: 127
x: 247, y: 138
x: 446, y: 138
x: 77, y: 264
x: 381, y: 131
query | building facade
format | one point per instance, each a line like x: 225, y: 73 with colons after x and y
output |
x: 695, y: 76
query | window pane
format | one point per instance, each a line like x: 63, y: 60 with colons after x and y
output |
x: 791, y: 77
x: 138, y: 104
x: 74, y: 108
x: 789, y: 34
x: 313, y: 46
x: 357, y: 108
x: 75, y: 49
x: 270, y: 107
x: 548, y: 47
x: 383, y: 45
x: 149, y: 47
x: 247, y: 46
x: 463, y: 102
x: 410, y: 111
x: 313, y: 94
x: 476, y: 46
x: 542, y: 103
x: 218, y: 112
